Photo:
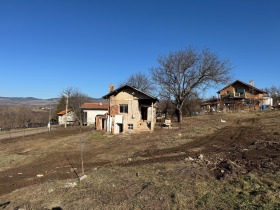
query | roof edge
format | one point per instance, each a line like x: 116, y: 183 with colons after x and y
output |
x: 242, y: 83
x: 122, y: 87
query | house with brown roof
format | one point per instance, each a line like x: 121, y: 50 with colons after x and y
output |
x: 91, y: 110
x: 130, y: 110
x: 69, y: 118
x: 240, y: 95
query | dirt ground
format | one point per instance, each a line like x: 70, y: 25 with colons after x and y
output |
x: 245, y: 142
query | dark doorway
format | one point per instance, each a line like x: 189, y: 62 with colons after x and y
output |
x: 104, y: 124
x: 84, y: 118
x: 120, y: 126
x: 144, y: 113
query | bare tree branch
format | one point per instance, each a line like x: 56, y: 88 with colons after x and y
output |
x: 75, y: 99
x: 182, y: 73
x: 140, y: 81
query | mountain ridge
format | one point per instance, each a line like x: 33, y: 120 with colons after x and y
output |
x: 27, y: 101
x: 32, y: 101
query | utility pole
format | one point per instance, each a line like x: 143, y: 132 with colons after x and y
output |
x: 50, y: 111
x: 66, y: 110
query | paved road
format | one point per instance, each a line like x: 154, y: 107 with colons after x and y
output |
x: 23, y: 132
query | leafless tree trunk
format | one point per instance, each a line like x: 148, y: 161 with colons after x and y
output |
x: 188, y: 71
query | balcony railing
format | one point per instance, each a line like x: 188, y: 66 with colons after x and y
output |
x: 239, y: 94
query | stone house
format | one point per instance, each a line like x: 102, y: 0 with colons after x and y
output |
x: 130, y: 110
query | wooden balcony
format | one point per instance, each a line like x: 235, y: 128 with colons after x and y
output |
x: 239, y: 95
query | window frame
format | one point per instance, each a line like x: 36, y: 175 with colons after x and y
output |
x: 123, y: 108
x: 130, y: 126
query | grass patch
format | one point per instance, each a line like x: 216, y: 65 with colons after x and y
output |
x: 97, y: 136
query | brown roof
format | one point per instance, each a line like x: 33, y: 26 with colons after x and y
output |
x: 63, y: 112
x: 98, y: 106
x: 238, y: 81
x: 116, y: 91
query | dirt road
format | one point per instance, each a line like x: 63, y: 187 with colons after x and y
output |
x: 23, y: 133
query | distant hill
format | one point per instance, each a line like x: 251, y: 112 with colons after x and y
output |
x: 35, y: 102
x: 27, y: 101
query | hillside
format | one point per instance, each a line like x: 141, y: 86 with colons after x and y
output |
x: 34, y: 102
x: 27, y: 101
x: 202, y: 164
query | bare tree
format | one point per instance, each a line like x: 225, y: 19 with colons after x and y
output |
x: 75, y: 99
x: 7, y: 117
x: 182, y: 73
x: 191, y: 105
x: 12, y: 117
x: 140, y: 81
x: 24, y: 116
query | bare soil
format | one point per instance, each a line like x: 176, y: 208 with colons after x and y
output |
x: 246, y: 142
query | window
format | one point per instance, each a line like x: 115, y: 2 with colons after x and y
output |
x: 123, y: 108
x: 130, y: 126
x: 240, y: 90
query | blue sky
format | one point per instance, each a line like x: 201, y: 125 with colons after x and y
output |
x: 49, y: 45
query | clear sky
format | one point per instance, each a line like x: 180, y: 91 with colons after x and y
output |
x: 49, y: 45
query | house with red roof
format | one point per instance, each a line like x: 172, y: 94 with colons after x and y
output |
x: 91, y: 110
x: 68, y: 118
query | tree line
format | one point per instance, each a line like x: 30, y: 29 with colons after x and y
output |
x: 22, y: 117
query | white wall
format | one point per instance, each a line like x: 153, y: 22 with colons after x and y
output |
x: 91, y: 114
x: 62, y: 118
x: 268, y: 101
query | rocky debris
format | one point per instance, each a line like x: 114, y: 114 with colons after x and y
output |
x: 83, y: 177
x: 222, y: 169
x: 70, y: 184
x: 200, y: 157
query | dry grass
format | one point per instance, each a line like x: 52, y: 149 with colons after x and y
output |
x: 150, y: 171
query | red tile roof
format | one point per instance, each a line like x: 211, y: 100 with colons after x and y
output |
x: 64, y: 111
x: 98, y: 106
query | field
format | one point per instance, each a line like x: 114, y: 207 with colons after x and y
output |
x: 201, y: 164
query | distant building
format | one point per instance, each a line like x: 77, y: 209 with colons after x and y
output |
x: 70, y: 117
x: 240, y: 95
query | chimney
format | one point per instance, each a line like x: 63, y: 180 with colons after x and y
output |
x: 111, y: 88
x: 251, y: 82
